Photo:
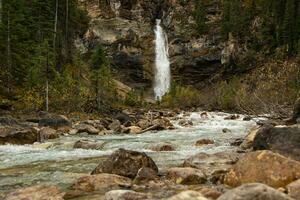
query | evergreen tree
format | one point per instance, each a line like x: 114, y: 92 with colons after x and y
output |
x: 200, y: 16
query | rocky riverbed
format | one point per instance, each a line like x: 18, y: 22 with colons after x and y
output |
x: 150, y: 155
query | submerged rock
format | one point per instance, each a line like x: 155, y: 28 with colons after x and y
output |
x: 186, y: 175
x: 232, y: 117
x: 188, y: 195
x: 254, y: 191
x: 204, y: 142
x: 283, y: 140
x: 163, y: 147
x: 125, y: 163
x: 124, y: 195
x: 265, y: 167
x: 18, y: 135
x: 185, y: 122
x: 100, y: 181
x: 38, y: 192
x: 86, y: 144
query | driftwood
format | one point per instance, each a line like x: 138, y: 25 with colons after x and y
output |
x: 151, y: 128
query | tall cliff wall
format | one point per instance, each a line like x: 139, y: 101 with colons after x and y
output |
x: 125, y: 29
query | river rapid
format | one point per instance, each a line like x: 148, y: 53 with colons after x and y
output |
x: 57, y: 162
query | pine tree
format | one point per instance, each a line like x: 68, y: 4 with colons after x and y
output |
x: 200, y: 15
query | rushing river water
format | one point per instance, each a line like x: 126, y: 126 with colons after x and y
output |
x: 56, y: 162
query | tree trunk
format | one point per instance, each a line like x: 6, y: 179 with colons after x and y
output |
x: 47, y: 81
x: 9, y: 63
x: 67, y: 49
x: 0, y: 11
x: 55, y: 26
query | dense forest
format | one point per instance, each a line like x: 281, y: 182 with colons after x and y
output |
x: 38, y: 57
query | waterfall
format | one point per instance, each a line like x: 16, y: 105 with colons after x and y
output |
x: 162, y: 63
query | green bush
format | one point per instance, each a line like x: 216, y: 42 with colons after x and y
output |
x: 180, y: 96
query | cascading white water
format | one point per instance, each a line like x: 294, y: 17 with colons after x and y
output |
x: 162, y: 63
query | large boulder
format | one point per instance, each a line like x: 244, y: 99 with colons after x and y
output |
x: 188, y: 195
x: 48, y: 133
x: 125, y: 163
x: 100, y: 181
x: 55, y: 121
x: 38, y: 192
x: 86, y: 144
x: 18, y: 135
x: 265, y: 167
x: 86, y: 128
x: 124, y: 195
x: 283, y: 140
x: 186, y: 175
x: 115, y: 126
x: 254, y: 191
x: 293, y: 189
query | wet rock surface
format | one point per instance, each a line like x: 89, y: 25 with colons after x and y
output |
x: 204, y: 142
x: 163, y: 147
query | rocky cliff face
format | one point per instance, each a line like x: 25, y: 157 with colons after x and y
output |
x: 125, y: 29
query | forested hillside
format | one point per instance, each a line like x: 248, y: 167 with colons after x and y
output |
x: 37, y: 46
